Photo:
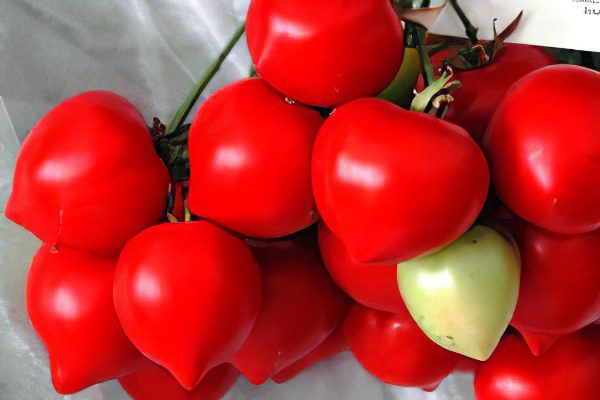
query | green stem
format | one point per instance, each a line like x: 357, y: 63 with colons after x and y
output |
x: 187, y: 105
x: 470, y: 30
x: 415, y: 38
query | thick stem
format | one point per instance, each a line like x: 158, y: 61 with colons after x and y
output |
x: 470, y: 30
x: 415, y: 38
x: 187, y: 105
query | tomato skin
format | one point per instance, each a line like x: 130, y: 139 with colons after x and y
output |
x: 560, y: 283
x: 325, y: 53
x: 393, y: 184
x: 482, y: 89
x: 156, y: 383
x: 543, y: 146
x: 301, y: 307
x: 250, y: 161
x: 569, y: 370
x: 393, y: 348
x: 334, y: 344
x: 69, y: 302
x: 87, y: 176
x: 174, y: 280
x: 373, y: 286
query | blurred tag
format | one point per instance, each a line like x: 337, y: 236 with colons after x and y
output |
x: 570, y: 24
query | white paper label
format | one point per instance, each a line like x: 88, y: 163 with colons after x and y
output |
x: 570, y: 24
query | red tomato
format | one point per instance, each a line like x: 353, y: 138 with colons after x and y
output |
x: 560, y: 283
x: 394, y: 349
x: 69, y: 302
x: 467, y: 364
x: 332, y: 346
x: 393, y: 184
x: 187, y: 296
x: 178, y: 201
x: 156, y: 383
x: 301, y: 307
x: 250, y: 161
x: 484, y: 88
x: 325, y: 52
x: 374, y: 286
x: 88, y: 177
x: 569, y: 370
x: 544, y: 149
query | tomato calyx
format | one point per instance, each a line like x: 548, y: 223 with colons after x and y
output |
x: 172, y: 148
x: 480, y: 53
x: 435, y: 98
x: 170, y: 141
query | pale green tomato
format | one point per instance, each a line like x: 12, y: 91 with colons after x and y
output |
x: 464, y: 295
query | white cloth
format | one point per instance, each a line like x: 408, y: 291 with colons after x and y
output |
x: 151, y: 52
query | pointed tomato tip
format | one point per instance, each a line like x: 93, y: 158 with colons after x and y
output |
x: 257, y: 380
x: 281, y: 378
x: 432, y: 387
x: 63, y: 381
x: 188, y: 380
x: 539, y: 343
x: 256, y: 374
x: 10, y: 212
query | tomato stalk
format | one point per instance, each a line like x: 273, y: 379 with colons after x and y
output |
x: 189, y: 102
x: 415, y: 38
x: 434, y: 99
x: 470, y: 30
x: 171, y: 142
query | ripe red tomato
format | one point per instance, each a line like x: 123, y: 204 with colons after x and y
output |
x: 393, y: 184
x: 250, y: 161
x: 560, y: 283
x: 187, y: 296
x: 466, y: 364
x: 484, y: 88
x: 325, y: 53
x: 69, y: 302
x: 569, y: 370
x: 374, y: 286
x: 394, y: 349
x: 301, y: 307
x: 156, y: 383
x: 544, y: 148
x: 88, y: 177
x: 332, y: 346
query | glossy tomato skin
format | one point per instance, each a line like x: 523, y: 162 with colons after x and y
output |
x: 301, y: 307
x: 334, y: 344
x: 569, y: 370
x: 250, y: 161
x: 69, y: 302
x: 187, y: 296
x: 156, y: 383
x: 325, y: 53
x: 393, y: 184
x: 393, y: 348
x: 87, y: 176
x: 374, y: 286
x: 560, y: 283
x: 543, y: 146
x: 482, y: 89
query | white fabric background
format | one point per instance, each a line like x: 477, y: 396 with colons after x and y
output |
x: 151, y: 52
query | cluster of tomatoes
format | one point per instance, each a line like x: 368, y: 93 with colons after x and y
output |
x: 413, y: 270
